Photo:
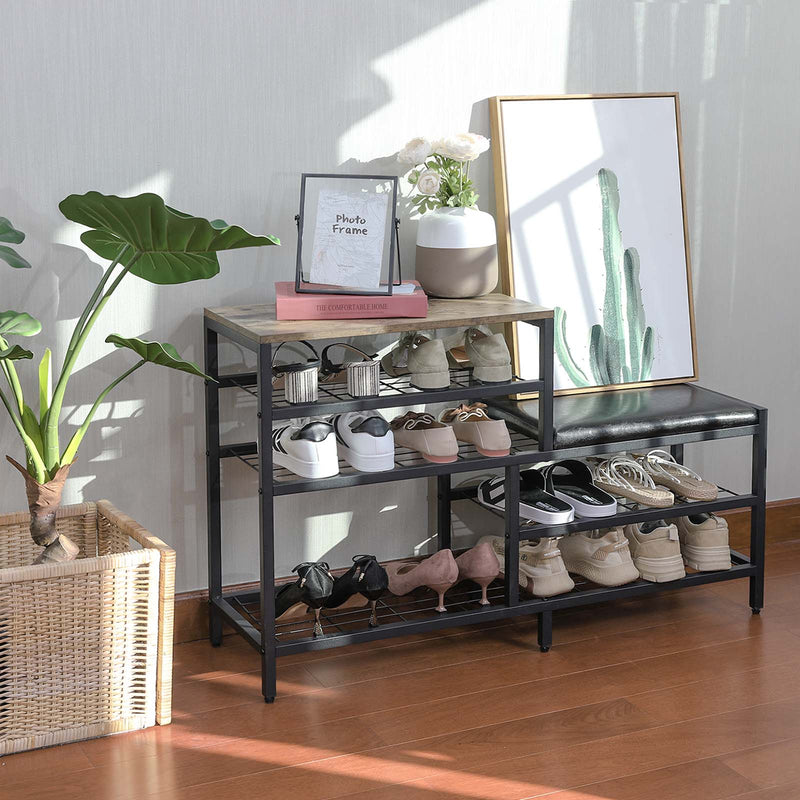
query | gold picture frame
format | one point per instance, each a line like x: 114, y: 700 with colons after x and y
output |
x: 504, y: 240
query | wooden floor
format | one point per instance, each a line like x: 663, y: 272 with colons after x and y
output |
x: 685, y: 695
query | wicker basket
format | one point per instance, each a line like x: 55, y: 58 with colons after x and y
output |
x: 86, y: 646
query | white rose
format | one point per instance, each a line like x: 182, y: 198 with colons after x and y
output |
x: 428, y: 182
x: 462, y: 146
x: 415, y: 151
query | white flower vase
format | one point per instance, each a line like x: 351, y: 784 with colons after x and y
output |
x: 457, y: 252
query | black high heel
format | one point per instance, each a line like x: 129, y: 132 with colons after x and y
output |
x: 367, y: 578
x: 313, y: 587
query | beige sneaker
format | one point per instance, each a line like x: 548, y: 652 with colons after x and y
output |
x: 601, y: 556
x: 704, y: 542
x: 421, y: 432
x: 471, y: 424
x: 541, y: 569
x: 656, y: 550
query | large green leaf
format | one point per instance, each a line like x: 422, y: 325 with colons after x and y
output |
x: 165, y: 245
x: 13, y: 258
x: 9, y: 234
x: 18, y: 323
x: 161, y: 353
x: 15, y: 353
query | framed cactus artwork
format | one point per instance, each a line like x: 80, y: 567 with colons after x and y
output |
x: 592, y: 222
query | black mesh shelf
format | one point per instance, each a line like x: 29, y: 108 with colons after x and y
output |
x: 398, y: 616
x: 628, y: 512
x: 334, y: 397
x: 408, y: 464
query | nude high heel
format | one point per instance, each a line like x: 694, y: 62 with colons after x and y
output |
x: 439, y: 572
x: 480, y: 565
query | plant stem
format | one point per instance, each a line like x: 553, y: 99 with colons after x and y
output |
x: 51, y: 448
x: 41, y: 470
x: 75, y: 441
x: 93, y: 299
x: 10, y: 371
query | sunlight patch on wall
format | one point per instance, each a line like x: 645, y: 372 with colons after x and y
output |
x: 322, y: 532
x: 422, y: 103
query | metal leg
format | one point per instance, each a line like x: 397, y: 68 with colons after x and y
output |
x: 546, y: 350
x: 443, y: 518
x: 214, y: 518
x: 545, y: 630
x: 267, y: 523
x: 677, y: 452
x: 758, y: 514
x: 512, y: 536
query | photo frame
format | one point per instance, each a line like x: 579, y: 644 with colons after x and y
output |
x: 347, y: 235
x: 591, y: 220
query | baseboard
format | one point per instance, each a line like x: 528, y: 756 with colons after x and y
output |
x: 783, y: 524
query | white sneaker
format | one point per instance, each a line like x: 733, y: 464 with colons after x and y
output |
x: 656, y: 550
x: 308, y: 450
x: 541, y: 568
x: 601, y: 556
x: 364, y: 440
x: 704, y: 542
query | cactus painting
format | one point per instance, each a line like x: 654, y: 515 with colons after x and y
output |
x: 621, y: 349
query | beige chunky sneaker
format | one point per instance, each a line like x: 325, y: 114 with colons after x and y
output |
x: 601, y: 556
x: 704, y: 542
x: 541, y: 569
x: 656, y: 550
x: 471, y: 424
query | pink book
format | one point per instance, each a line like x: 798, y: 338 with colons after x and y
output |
x: 291, y: 305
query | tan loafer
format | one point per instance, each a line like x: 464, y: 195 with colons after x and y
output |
x: 471, y: 424
x: 489, y: 356
x: 424, y: 360
x: 433, y: 440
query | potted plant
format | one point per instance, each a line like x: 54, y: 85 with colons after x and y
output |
x: 456, y: 242
x: 86, y: 594
x: 141, y: 236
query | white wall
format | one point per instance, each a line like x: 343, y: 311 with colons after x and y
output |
x: 219, y: 105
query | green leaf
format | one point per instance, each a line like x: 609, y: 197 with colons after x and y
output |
x: 44, y: 383
x: 166, y: 246
x: 15, y: 353
x: 161, y: 353
x: 9, y: 234
x: 12, y: 258
x: 18, y: 323
x: 31, y: 426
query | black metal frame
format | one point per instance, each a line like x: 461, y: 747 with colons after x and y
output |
x: 259, y: 627
x: 394, y: 244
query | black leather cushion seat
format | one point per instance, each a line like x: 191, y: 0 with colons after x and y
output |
x: 618, y: 416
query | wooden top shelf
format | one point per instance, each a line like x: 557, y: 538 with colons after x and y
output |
x: 258, y: 324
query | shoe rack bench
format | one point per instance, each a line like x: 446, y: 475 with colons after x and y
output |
x: 251, y: 614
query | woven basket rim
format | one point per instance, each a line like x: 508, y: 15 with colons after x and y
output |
x: 151, y: 547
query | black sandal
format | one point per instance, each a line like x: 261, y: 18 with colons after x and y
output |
x: 535, y: 503
x: 575, y: 486
x: 331, y: 372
